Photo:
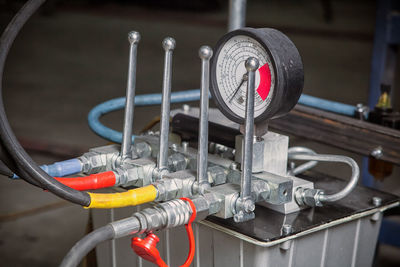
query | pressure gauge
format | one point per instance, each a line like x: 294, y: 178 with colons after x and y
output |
x: 279, y: 79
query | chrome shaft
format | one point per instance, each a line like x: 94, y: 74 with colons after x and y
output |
x: 169, y: 46
x: 205, y: 53
x: 237, y: 14
x: 247, y: 156
x: 134, y: 38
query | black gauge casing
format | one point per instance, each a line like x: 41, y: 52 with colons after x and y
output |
x: 287, y: 66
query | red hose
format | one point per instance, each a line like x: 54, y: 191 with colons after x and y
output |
x: 93, y: 181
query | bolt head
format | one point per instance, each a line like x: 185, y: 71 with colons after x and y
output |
x: 169, y: 43
x: 286, y: 229
x: 377, y: 201
x: 234, y: 166
x: 185, y: 145
x: 377, y: 152
x: 174, y: 147
x: 133, y: 37
x: 205, y: 52
x: 251, y: 64
x: 185, y: 107
x: 249, y: 205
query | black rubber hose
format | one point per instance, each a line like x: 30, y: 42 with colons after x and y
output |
x: 4, y: 170
x: 10, y: 142
x: 86, y: 244
x: 9, y: 168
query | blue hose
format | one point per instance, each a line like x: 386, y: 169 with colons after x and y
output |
x: 327, y: 105
x: 140, y: 100
x: 61, y: 168
x: 188, y: 96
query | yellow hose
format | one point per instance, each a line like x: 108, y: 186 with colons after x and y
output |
x: 131, y: 197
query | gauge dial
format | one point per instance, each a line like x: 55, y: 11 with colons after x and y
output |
x: 232, y: 77
x: 229, y: 77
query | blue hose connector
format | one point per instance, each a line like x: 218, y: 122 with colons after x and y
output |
x: 61, y: 168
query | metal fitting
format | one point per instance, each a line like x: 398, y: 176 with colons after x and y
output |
x: 376, y: 201
x: 142, y: 149
x: 258, y: 152
x: 243, y: 216
x: 377, y: 152
x: 100, y: 159
x: 185, y: 108
x: 138, y: 172
x: 177, y: 162
x: 244, y: 208
x: 175, y: 185
x: 216, y: 175
x: 260, y: 190
x: 185, y: 145
x: 165, y: 215
x: 227, y: 195
x: 362, y: 111
x: 286, y: 229
x: 308, y: 197
x: 233, y: 166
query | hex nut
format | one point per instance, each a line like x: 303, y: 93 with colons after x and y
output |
x: 142, y: 149
x: 177, y: 162
x: 308, y: 197
x: 216, y: 175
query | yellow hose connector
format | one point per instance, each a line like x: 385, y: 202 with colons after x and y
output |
x: 131, y: 197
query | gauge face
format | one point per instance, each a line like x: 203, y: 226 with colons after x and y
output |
x: 278, y: 80
x: 231, y: 75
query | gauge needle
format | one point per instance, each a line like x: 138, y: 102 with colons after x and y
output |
x: 237, y: 89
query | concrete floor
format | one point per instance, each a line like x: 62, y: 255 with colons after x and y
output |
x: 64, y: 64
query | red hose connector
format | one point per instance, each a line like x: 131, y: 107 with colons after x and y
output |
x: 93, y: 181
x: 147, y: 248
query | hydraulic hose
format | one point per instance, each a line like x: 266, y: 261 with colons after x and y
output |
x: 140, y: 100
x: 86, y: 244
x: 93, y: 181
x: 327, y: 105
x: 303, y: 167
x: 10, y: 142
x: 187, y: 96
x: 183, y: 211
x: 131, y: 197
x: 355, y: 173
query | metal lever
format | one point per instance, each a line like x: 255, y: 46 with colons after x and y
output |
x: 162, y: 161
x: 205, y: 53
x: 134, y: 38
x: 245, y: 205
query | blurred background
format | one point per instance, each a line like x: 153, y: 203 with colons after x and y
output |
x: 73, y: 55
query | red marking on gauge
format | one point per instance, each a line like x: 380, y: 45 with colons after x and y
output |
x: 265, y: 81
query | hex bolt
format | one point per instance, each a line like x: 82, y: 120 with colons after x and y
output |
x: 126, y: 146
x: 169, y: 46
x: 249, y: 205
x: 377, y: 152
x: 185, y: 145
x: 234, y: 166
x: 376, y: 201
x: 286, y: 245
x: 185, y: 108
x: 174, y: 147
x: 286, y: 229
